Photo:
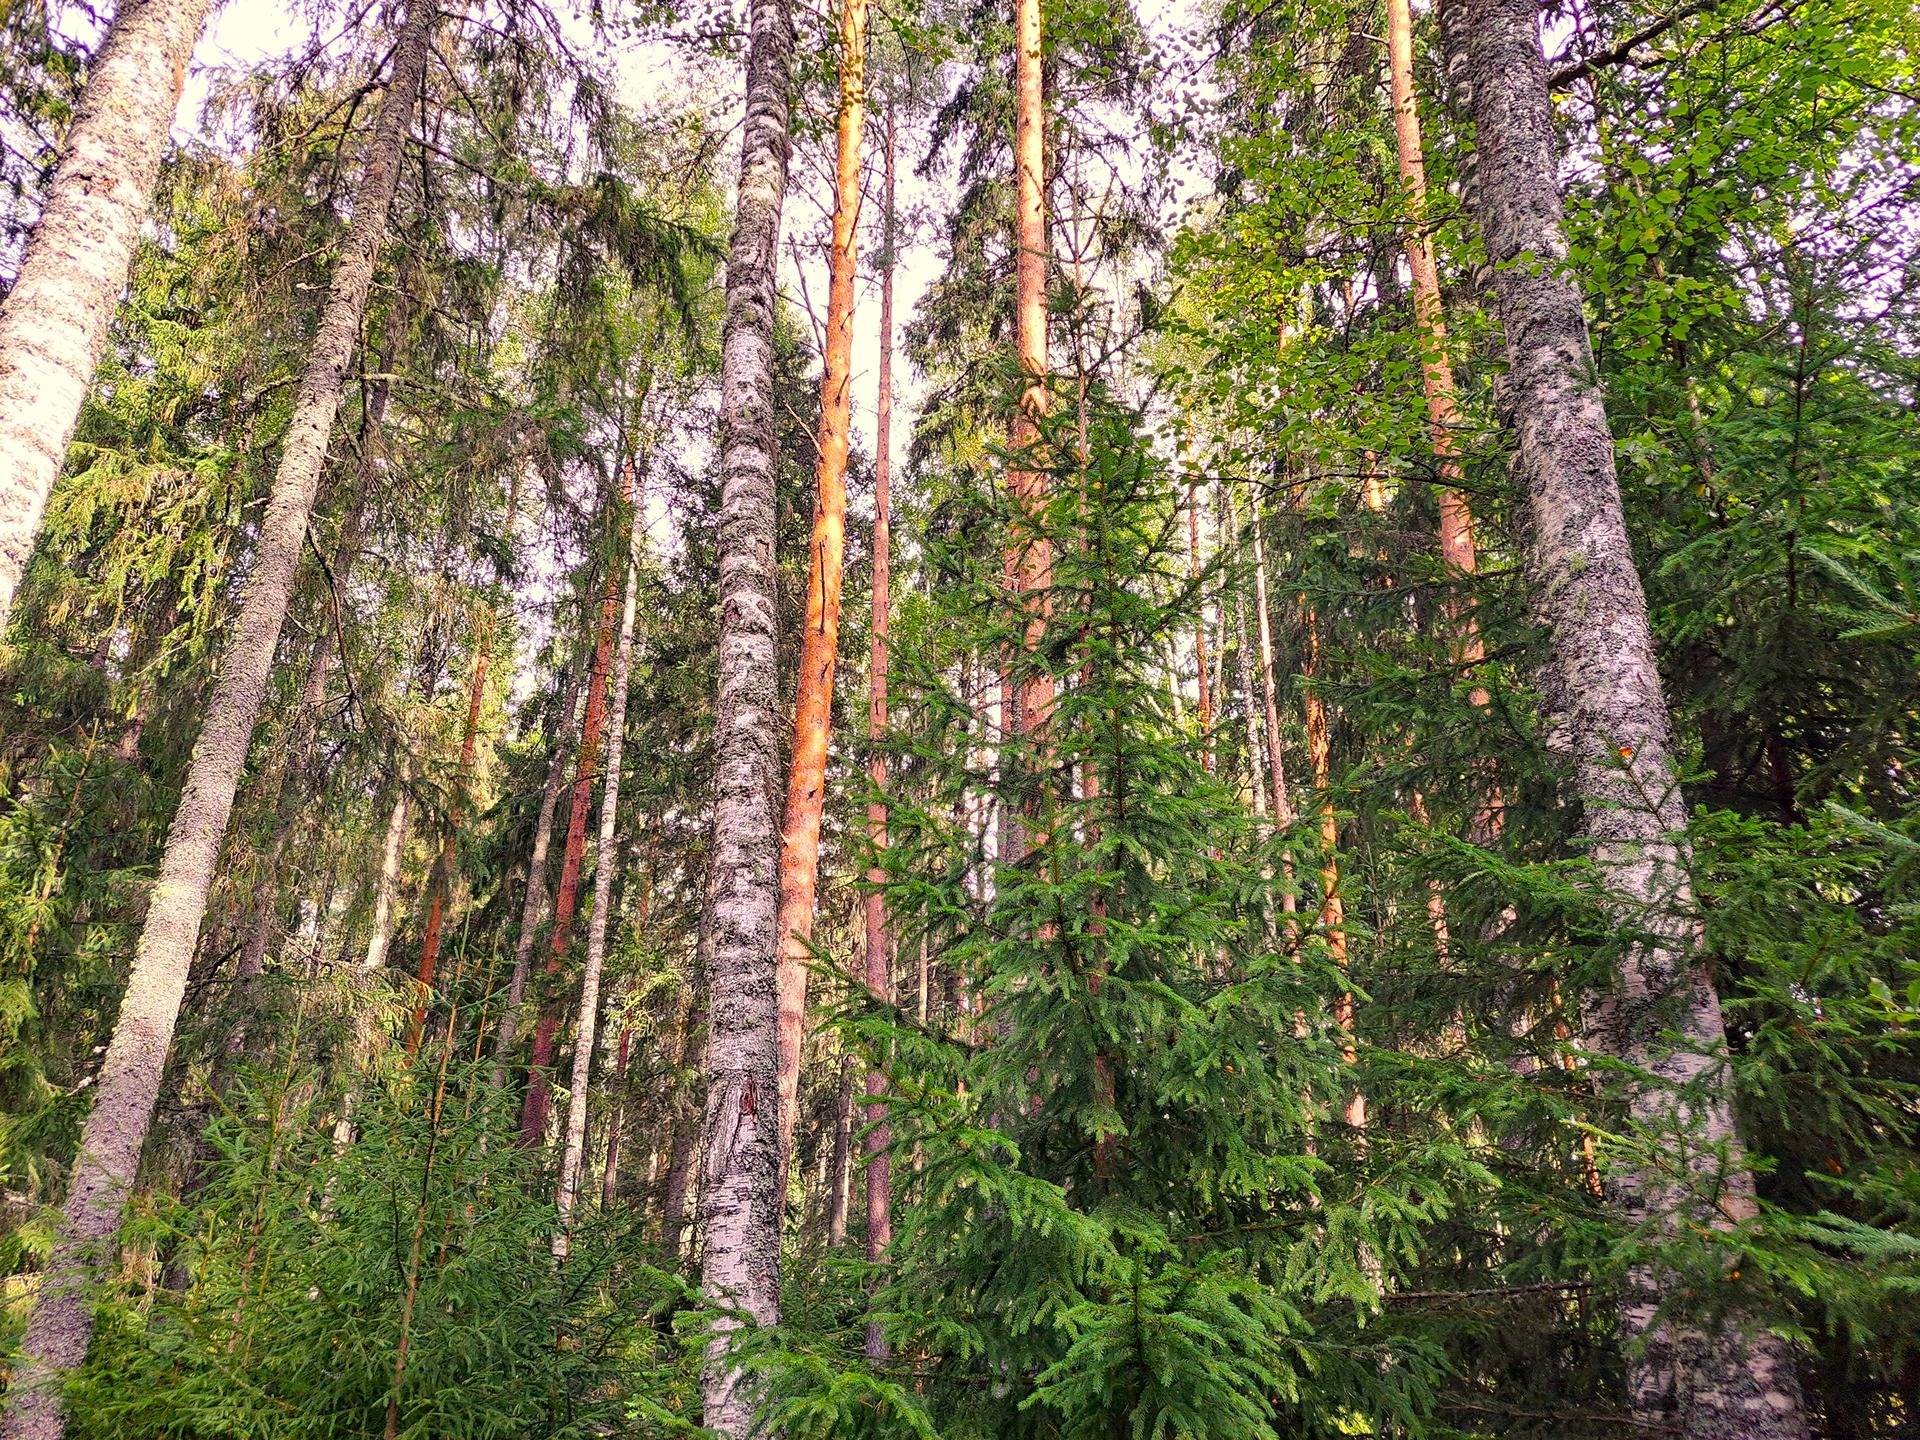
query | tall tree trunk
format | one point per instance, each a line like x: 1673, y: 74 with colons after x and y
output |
x: 445, y: 870
x: 1030, y: 562
x: 820, y: 642
x: 610, y: 1175
x: 537, y: 1105
x: 129, y: 1082
x: 535, y: 900
x: 879, y: 943
x: 386, y: 891
x: 1205, y: 690
x: 54, y: 322
x: 1270, y: 698
x: 1715, y: 1379
x: 839, y: 1165
x: 298, y: 782
x: 573, y: 1150
x: 1457, y: 546
x: 739, y: 1194
x: 1333, y: 903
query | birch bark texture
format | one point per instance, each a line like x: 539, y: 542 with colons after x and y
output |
x: 1712, y: 1378
x: 820, y: 641
x: 116, y: 1128
x: 739, y: 1202
x: 573, y: 1150
x: 53, y: 325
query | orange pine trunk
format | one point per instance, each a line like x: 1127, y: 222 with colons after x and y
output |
x: 819, y: 645
x: 566, y: 898
x: 442, y: 881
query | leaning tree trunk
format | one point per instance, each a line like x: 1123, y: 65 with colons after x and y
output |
x: 54, y: 323
x: 739, y: 1196
x: 1713, y: 1379
x: 820, y: 642
x: 129, y: 1082
x: 879, y: 944
x: 573, y: 1150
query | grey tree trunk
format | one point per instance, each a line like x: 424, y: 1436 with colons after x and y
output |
x: 535, y: 902
x: 1714, y: 1379
x: 386, y: 891
x: 741, y: 1266
x: 573, y: 1150
x: 54, y: 323
x: 62, y: 1324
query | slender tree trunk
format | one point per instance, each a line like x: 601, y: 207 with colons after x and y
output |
x: 739, y: 1192
x: 54, y: 322
x: 1031, y: 559
x: 820, y: 642
x: 566, y: 901
x: 879, y: 1186
x: 441, y: 882
x: 1205, y: 691
x: 1333, y: 904
x: 1457, y: 546
x: 392, y: 853
x: 535, y: 900
x: 1276, y: 760
x: 610, y: 1176
x: 573, y: 1150
x: 1716, y: 1380
x: 129, y: 1082
x: 838, y: 1162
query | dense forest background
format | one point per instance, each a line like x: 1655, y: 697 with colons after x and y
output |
x: 1041, y: 720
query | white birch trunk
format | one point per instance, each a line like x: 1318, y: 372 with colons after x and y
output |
x: 1714, y: 1380
x: 62, y: 1324
x: 54, y: 323
x: 741, y: 1265
x: 573, y: 1150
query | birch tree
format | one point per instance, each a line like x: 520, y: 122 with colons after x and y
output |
x: 129, y: 1083
x: 1716, y: 1379
x: 53, y: 324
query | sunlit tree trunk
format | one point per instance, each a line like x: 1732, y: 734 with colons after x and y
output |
x: 1202, y: 678
x: 879, y: 1185
x: 54, y: 322
x: 739, y: 1196
x: 573, y: 1148
x: 1270, y: 701
x: 1030, y: 561
x: 537, y: 1105
x: 1714, y: 1380
x: 820, y: 642
x: 129, y: 1080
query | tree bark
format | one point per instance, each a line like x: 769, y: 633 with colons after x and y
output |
x: 879, y: 1188
x: 1716, y: 1380
x: 441, y: 882
x: 820, y: 642
x: 739, y: 1196
x: 54, y: 323
x: 392, y: 852
x: 573, y: 1150
x: 1275, y: 757
x: 129, y: 1082
x: 535, y: 900
x: 1030, y: 562
x: 610, y: 1176
x: 536, y: 1107
x: 839, y: 1167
